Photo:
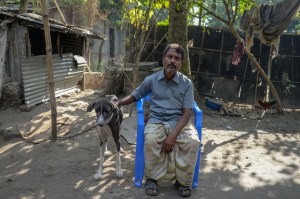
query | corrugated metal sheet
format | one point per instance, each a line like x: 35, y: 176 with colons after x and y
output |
x: 37, y: 21
x: 67, y: 72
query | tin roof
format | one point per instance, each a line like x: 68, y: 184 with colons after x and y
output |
x: 36, y: 20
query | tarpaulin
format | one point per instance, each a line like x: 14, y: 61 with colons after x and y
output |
x: 269, y: 22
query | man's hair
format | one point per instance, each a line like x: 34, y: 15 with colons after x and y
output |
x: 176, y: 47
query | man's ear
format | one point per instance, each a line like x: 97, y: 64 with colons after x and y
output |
x: 90, y: 107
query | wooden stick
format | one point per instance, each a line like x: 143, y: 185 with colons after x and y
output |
x: 50, y: 70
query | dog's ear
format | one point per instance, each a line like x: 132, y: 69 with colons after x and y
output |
x: 90, y: 107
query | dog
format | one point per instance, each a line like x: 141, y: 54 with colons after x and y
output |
x: 109, y: 119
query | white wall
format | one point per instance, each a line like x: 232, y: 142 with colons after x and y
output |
x: 119, y: 46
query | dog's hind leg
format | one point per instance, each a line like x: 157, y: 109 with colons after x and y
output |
x: 98, y: 175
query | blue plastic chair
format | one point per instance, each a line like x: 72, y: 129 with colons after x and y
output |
x: 139, y: 157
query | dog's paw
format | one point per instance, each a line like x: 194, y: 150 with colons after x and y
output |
x: 119, y: 173
x: 97, y: 176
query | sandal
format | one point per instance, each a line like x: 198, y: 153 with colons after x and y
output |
x: 183, y: 191
x: 151, y: 187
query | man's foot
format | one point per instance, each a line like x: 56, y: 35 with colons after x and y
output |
x: 151, y: 187
x: 183, y: 191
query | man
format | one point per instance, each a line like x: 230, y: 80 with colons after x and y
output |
x: 171, y: 141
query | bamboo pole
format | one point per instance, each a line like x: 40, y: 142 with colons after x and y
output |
x: 260, y: 70
x: 59, y: 11
x: 50, y: 70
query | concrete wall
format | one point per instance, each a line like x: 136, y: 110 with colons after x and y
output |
x: 93, y: 80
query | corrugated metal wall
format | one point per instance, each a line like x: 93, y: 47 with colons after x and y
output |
x: 67, y: 71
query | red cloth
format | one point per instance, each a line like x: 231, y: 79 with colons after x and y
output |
x: 238, y: 53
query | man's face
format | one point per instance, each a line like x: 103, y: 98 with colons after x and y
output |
x: 172, y: 63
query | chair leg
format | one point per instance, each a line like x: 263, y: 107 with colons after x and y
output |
x: 139, y: 167
x: 196, y: 172
x: 139, y: 158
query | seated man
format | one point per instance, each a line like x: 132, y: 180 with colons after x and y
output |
x: 171, y: 141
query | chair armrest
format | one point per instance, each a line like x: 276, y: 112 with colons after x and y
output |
x: 140, y: 116
x: 198, y: 120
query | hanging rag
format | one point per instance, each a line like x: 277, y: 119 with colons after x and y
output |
x: 238, y: 53
x: 269, y: 22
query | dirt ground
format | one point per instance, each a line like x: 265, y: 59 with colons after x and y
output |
x: 252, y: 156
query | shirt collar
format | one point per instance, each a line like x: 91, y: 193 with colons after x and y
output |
x: 162, y: 76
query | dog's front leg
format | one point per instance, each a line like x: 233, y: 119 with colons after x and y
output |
x: 98, y: 175
x: 118, y: 165
x: 104, y: 132
x: 106, y: 152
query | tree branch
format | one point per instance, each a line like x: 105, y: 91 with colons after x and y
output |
x: 59, y: 11
x: 227, y: 11
x: 212, y: 13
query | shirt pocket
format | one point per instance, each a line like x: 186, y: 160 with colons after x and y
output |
x: 178, y: 101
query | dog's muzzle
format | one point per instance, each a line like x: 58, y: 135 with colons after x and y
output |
x: 100, y: 121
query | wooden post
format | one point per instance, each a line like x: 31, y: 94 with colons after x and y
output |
x: 50, y: 70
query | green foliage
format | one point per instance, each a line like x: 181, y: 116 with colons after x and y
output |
x: 245, y: 5
x: 135, y: 12
x: 215, y: 6
x: 294, y: 27
x: 71, y: 2
x: 236, y: 11
x: 36, y: 6
x: 113, y: 7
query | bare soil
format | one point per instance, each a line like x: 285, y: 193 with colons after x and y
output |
x: 255, y: 155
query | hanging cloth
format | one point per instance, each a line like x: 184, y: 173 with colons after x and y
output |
x: 238, y: 53
x: 269, y: 22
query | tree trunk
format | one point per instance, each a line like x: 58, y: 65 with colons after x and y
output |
x: 92, y: 6
x: 178, y: 33
x: 178, y: 29
x: 23, y: 6
x: 50, y: 70
x: 200, y: 13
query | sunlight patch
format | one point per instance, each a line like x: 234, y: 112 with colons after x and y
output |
x: 22, y: 171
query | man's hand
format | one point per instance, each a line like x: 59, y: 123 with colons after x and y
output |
x: 169, y: 143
